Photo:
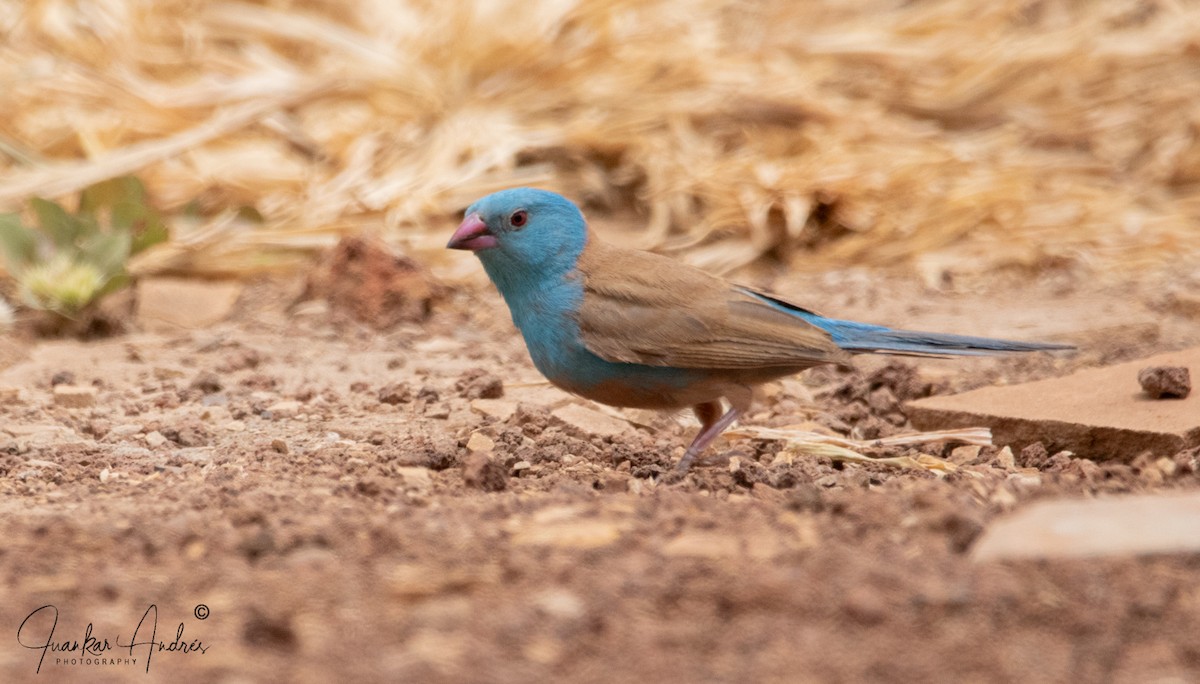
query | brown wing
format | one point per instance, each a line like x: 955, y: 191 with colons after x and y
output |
x: 644, y: 308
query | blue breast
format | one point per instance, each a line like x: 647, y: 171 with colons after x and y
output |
x: 546, y: 318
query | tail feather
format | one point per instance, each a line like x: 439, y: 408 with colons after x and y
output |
x: 864, y: 338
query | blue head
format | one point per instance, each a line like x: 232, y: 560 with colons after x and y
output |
x: 526, y: 238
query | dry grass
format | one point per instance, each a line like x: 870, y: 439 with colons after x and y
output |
x: 1009, y: 132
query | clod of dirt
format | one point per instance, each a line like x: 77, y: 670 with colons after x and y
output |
x: 1166, y: 382
x: 902, y: 380
x: 62, y: 378
x: 395, y: 393
x: 747, y: 473
x: 187, y: 435
x: 477, y: 383
x: 262, y: 630
x: 240, y: 358
x: 206, y: 381
x: 481, y: 472
x: 365, y: 279
x: 1034, y: 456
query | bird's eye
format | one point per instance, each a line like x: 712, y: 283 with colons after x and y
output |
x: 519, y: 218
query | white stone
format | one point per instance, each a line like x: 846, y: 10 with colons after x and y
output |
x: 1084, y: 528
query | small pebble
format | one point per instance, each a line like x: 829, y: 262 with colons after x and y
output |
x: 480, y: 442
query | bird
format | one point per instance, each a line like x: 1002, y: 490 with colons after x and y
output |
x: 635, y: 329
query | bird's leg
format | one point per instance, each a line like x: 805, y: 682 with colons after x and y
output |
x: 713, y: 423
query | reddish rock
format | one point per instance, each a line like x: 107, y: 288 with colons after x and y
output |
x: 1166, y: 382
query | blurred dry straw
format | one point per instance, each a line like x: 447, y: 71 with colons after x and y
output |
x: 1012, y: 131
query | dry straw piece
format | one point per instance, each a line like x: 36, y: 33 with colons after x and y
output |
x: 1009, y: 132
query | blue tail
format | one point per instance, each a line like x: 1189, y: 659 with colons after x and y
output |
x: 865, y: 338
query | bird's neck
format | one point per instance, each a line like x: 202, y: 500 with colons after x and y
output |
x: 535, y: 298
x: 533, y: 288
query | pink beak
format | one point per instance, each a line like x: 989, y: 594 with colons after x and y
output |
x: 472, y: 234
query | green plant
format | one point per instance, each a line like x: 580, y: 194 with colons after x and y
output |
x: 67, y: 262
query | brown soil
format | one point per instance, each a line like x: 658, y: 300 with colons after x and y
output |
x: 309, y: 482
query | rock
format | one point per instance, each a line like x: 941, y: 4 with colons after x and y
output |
x: 589, y: 421
x: 500, y: 409
x: 10, y: 395
x: 41, y: 435
x: 1094, y: 413
x: 395, y: 393
x: 481, y: 472
x: 285, y: 409
x: 1084, y: 528
x: 165, y: 373
x: 122, y: 431
x: 415, y: 477
x: 172, y: 303
x: 964, y: 454
x: 62, y: 378
x: 74, y: 396
x: 541, y: 394
x: 1165, y: 382
x: 480, y: 442
x: 560, y: 604
x: 195, y: 454
x: 155, y: 439
x: 206, y: 381
x: 477, y: 383
x: 1005, y: 459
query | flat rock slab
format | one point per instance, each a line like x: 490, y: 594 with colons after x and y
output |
x: 1099, y: 413
x: 171, y: 303
x: 1086, y: 528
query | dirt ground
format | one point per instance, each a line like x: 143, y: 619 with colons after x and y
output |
x: 296, y: 491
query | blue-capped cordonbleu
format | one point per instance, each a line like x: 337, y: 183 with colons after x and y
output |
x: 636, y: 329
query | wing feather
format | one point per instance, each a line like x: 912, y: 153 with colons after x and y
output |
x: 644, y: 308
